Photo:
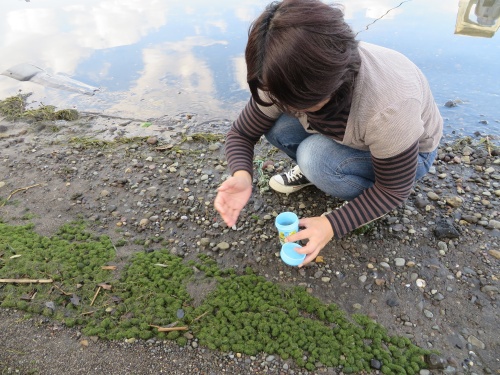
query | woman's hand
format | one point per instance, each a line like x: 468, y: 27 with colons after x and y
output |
x: 318, y: 231
x: 232, y: 196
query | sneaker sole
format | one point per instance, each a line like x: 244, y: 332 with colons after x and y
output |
x: 276, y: 186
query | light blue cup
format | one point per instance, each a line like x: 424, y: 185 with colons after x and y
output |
x: 290, y: 256
x: 287, y: 224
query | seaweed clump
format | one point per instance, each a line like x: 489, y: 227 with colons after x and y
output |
x: 17, y: 108
x: 71, y: 261
x: 248, y: 314
x: 245, y: 313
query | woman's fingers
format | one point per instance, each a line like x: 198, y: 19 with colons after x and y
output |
x: 228, y: 214
x: 300, y: 235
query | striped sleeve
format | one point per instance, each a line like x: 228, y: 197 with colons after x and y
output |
x: 245, y: 132
x: 394, y: 178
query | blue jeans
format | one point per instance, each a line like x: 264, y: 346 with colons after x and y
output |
x: 338, y: 170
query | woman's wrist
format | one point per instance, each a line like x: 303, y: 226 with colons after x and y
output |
x: 243, y: 174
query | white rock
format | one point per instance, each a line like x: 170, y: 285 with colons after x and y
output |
x: 432, y: 196
x: 223, y: 246
x: 421, y: 283
x: 399, y: 262
x: 428, y: 314
x: 476, y: 342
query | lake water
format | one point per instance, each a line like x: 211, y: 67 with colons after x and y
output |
x: 156, y: 57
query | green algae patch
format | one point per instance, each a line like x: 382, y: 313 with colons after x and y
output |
x: 16, y: 108
x: 149, y: 298
x: 72, y: 259
x: 248, y: 314
x: 203, y: 137
x: 151, y: 293
x: 93, y: 143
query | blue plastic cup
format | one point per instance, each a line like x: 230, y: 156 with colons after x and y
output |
x: 287, y: 224
x: 290, y: 256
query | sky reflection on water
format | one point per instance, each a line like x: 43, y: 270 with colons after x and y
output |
x: 157, y: 57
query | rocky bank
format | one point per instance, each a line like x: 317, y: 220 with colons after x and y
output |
x: 429, y: 270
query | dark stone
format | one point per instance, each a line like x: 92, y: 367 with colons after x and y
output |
x: 444, y: 229
x: 375, y: 364
x: 470, y: 218
x: 75, y: 196
x: 434, y: 361
x: 457, y: 340
x: 421, y: 202
x: 392, y: 302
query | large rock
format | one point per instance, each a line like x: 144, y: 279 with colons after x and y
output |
x: 435, y: 362
x: 444, y: 229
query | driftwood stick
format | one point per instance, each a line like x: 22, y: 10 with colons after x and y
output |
x: 26, y: 281
x: 95, y: 296
x: 17, y: 191
x: 169, y: 329
x: 110, y: 268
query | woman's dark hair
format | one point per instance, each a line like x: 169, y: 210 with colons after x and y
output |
x: 301, y: 52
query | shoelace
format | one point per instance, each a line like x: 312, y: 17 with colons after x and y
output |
x: 294, y: 174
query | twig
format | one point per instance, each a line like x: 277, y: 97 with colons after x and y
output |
x: 29, y: 297
x: 163, y: 148
x: 17, y: 191
x: 201, y: 316
x: 62, y: 291
x: 27, y: 281
x: 95, y: 296
x: 169, y: 329
x: 93, y: 311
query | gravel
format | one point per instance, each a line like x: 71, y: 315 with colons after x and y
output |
x: 428, y: 270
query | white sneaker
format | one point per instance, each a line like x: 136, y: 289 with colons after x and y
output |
x: 290, y: 181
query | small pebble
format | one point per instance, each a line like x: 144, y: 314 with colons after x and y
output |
x: 399, y: 262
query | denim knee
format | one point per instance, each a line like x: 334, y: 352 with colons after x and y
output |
x: 337, y: 170
x: 287, y: 134
x: 425, y: 161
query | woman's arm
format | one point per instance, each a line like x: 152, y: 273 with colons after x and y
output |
x: 394, y: 179
x: 245, y: 132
